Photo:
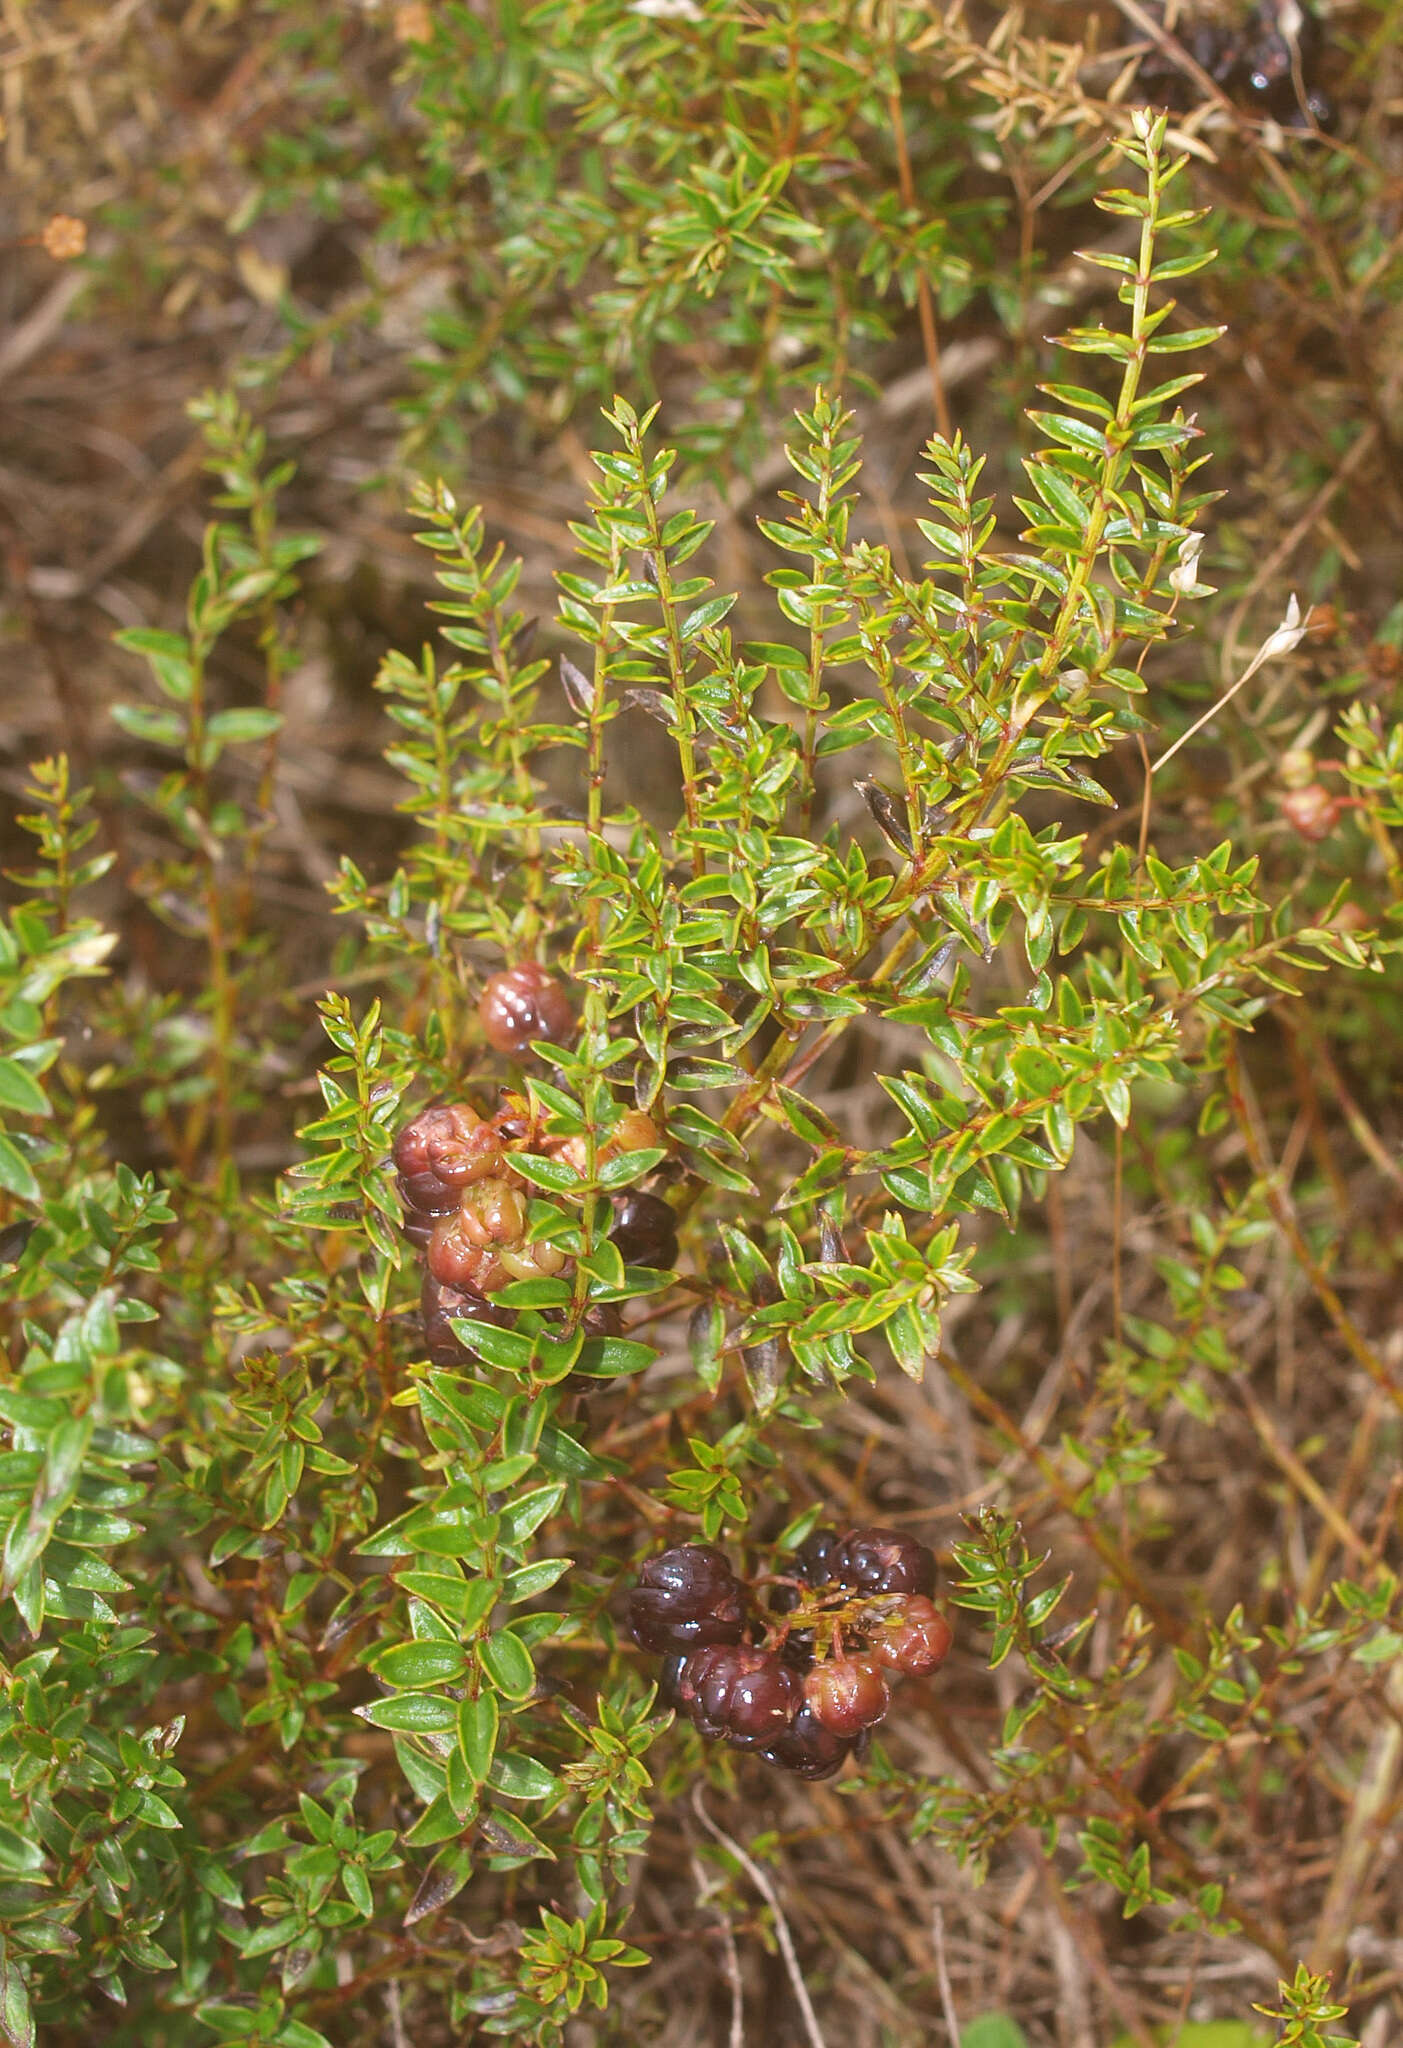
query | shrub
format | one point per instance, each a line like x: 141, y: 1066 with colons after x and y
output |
x: 320, y: 1713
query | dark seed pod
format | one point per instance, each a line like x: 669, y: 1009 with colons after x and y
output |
x: 686, y: 1597
x: 879, y: 1560
x: 746, y: 1696
x: 645, y: 1230
x: 522, y: 1004
x: 807, y: 1748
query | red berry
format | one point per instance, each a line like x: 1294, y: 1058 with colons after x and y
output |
x: 458, y: 1259
x: 685, y: 1598
x: 441, y: 1152
x: 847, y: 1694
x: 492, y: 1212
x: 634, y: 1132
x: 881, y: 1560
x: 807, y: 1748
x: 914, y: 1637
x: 521, y: 1004
x: 748, y: 1696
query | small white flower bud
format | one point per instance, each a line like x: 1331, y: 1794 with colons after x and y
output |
x: 1288, y: 635
x: 1183, y: 577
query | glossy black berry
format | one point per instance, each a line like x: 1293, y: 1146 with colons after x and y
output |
x: 807, y: 1748
x: 436, y: 1304
x: 879, y: 1560
x: 669, y: 1678
x: 645, y: 1230
x: 811, y: 1559
x: 686, y: 1598
x: 745, y: 1695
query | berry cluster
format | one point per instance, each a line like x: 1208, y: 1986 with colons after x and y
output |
x: 802, y: 1679
x: 465, y: 1202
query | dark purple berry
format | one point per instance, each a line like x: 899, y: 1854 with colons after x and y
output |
x: 686, y: 1598
x: 522, y: 1004
x: 807, y: 1748
x: 645, y: 1230
x: 424, y: 1194
x: 881, y: 1560
x: 746, y: 1695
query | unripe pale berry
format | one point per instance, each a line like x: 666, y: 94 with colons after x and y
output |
x: 1312, y: 812
x: 492, y: 1212
x: 532, y: 1261
x: 634, y: 1132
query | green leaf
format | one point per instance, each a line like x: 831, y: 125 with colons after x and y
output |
x: 416, y: 1666
x: 520, y: 1518
x: 16, y: 2018
x: 609, y: 1357
x: 15, y: 1176
x: 478, y: 1722
x: 521, y: 1777
x: 709, y: 614
x: 169, y: 658
x: 411, y: 1713
x: 255, y: 723
x: 20, y: 1091
x: 507, y: 1662
x: 992, y: 2030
